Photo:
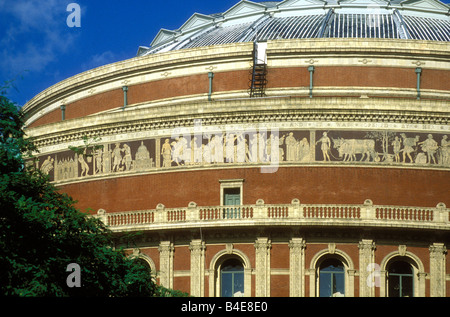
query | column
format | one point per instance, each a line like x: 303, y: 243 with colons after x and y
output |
x: 262, y: 278
x: 197, y: 248
x: 437, y: 270
x: 368, y: 276
x: 166, y: 250
x: 296, y: 267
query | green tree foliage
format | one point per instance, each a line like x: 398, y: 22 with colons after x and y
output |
x: 41, y: 232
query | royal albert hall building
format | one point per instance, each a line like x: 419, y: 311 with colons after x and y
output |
x: 286, y: 149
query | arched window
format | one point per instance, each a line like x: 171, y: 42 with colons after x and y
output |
x: 331, y: 278
x: 400, y: 279
x: 232, y: 278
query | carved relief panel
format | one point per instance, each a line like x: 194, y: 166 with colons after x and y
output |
x: 254, y: 146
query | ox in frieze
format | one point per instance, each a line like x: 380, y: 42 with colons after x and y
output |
x: 348, y: 148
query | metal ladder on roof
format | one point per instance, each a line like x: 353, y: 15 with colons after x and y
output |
x: 258, y: 80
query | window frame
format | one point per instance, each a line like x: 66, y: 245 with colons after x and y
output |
x: 231, y: 183
x: 241, y: 272
x: 322, y: 271
x: 400, y: 276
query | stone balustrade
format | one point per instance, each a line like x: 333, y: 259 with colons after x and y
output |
x: 366, y: 214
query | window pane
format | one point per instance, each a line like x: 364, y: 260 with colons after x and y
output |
x: 227, y: 285
x: 232, y: 278
x: 238, y: 290
x: 339, y: 285
x: 394, y: 286
x: 331, y: 278
x: 400, y: 279
x: 325, y: 284
x: 407, y: 286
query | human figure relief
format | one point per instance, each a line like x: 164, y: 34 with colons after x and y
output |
x: 47, y: 165
x: 127, y: 159
x: 117, y: 157
x: 303, y: 150
x: 408, y: 146
x: 166, y: 152
x: 84, y: 165
x: 429, y: 146
x: 445, y: 151
x: 179, y: 151
x: 291, y: 146
x: 230, y: 147
x: 397, y: 144
x: 98, y: 160
x: 325, y: 147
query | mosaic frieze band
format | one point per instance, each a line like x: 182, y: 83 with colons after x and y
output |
x: 254, y: 146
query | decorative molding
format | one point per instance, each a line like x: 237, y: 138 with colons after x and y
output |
x: 44, y: 137
x: 402, y: 250
x: 438, y: 272
x: 197, y: 274
x: 262, y: 270
x: 367, y: 277
x: 297, y: 267
x: 166, y: 250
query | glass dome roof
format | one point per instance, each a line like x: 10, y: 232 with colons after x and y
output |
x: 296, y: 19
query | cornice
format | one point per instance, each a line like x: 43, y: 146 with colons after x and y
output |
x: 245, y: 111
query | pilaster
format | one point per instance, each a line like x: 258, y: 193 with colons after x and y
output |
x: 166, y: 250
x: 437, y: 270
x: 262, y: 278
x: 296, y: 268
x: 197, y: 248
x: 367, y: 275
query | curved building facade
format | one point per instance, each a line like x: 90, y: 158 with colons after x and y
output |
x: 296, y: 148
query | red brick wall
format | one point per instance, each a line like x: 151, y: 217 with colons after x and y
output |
x: 367, y: 76
x: 280, y: 260
x: 239, y: 80
x: 312, y: 185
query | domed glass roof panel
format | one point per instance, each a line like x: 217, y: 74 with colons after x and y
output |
x: 249, y: 21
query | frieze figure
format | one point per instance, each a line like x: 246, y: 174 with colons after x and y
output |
x: 84, y: 165
x: 47, y: 165
x: 291, y: 145
x: 127, y: 159
x: 429, y: 146
x: 166, y: 152
x: 98, y: 157
x: 397, y: 144
x: 179, y: 151
x: 444, y: 151
x: 409, y: 145
x: 303, y: 150
x: 230, y: 147
x: 117, y: 158
x: 325, y: 146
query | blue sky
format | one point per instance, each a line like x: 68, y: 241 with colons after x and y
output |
x: 38, y: 48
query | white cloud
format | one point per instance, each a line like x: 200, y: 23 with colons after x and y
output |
x: 99, y: 60
x: 35, y: 33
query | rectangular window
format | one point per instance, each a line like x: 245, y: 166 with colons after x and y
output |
x: 231, y: 196
x: 231, y: 192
